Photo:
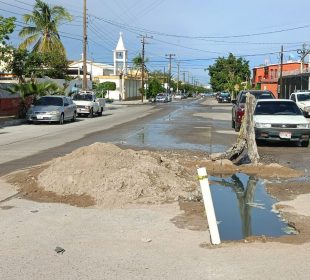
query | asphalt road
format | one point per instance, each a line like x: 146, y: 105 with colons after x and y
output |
x: 184, y: 124
x: 192, y: 124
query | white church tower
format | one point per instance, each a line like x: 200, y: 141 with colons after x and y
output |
x: 120, y: 57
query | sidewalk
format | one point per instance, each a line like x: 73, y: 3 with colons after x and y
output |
x: 130, y: 102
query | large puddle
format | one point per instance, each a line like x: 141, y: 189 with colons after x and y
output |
x: 159, y: 134
x: 243, y: 208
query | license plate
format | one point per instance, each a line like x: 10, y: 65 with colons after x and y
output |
x: 39, y: 117
x: 285, y: 135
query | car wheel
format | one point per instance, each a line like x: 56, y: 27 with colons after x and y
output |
x: 304, y: 143
x: 100, y: 112
x: 91, y: 113
x: 237, y: 128
x: 61, y: 119
x: 74, y: 117
x: 260, y: 142
x: 233, y: 124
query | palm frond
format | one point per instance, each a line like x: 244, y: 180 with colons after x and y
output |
x: 29, y: 41
x: 28, y: 30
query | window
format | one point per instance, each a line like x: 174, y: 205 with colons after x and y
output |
x: 293, y: 97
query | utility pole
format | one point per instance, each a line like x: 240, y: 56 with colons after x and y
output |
x: 84, y: 85
x: 303, y: 53
x: 178, y: 77
x: 170, y: 55
x: 281, y: 95
x: 165, y: 79
x: 143, y: 37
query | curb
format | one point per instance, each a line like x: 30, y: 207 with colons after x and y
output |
x: 12, y: 122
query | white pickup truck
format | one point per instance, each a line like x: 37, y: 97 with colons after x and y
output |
x: 302, y: 99
x: 88, y: 104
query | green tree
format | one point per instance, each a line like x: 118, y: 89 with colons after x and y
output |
x: 7, y: 26
x: 43, y: 30
x: 23, y: 64
x: 154, y: 87
x: 106, y: 87
x: 54, y: 65
x: 100, y: 90
x: 228, y: 73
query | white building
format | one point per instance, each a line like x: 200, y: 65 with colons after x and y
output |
x: 127, y: 81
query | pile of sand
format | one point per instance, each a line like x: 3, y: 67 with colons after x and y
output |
x: 116, y: 177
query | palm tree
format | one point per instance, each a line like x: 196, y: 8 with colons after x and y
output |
x: 43, y: 27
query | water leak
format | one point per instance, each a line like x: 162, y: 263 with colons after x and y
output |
x: 243, y: 208
x: 161, y: 134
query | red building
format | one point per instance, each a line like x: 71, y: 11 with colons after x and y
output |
x: 266, y: 77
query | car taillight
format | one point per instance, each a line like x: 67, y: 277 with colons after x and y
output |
x: 240, y: 110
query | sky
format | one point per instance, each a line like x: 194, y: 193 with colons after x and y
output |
x: 195, y: 31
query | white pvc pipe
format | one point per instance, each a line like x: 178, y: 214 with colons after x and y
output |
x: 208, y: 203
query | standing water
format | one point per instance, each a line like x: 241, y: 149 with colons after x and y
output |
x: 243, y: 208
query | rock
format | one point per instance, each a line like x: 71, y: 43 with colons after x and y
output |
x: 59, y: 250
x: 215, y: 156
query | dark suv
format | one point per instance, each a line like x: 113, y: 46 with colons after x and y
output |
x: 224, y: 97
x: 239, y: 102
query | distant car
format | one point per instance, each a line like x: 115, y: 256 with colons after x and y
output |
x: 280, y: 120
x: 224, y: 97
x: 169, y: 95
x: 161, y: 97
x: 207, y: 94
x: 238, y: 105
x: 52, y: 109
x: 302, y: 100
x: 179, y: 96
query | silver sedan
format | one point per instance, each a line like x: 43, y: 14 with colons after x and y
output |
x: 52, y: 109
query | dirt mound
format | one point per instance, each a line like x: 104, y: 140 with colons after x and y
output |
x: 116, y: 177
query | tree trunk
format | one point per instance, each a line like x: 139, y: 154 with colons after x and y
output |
x: 246, y: 138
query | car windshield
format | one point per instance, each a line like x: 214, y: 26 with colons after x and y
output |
x: 303, y: 97
x: 87, y: 97
x: 160, y: 95
x: 277, y: 108
x: 49, y: 101
x: 225, y: 94
x: 258, y: 95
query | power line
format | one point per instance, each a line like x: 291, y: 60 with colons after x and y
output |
x: 133, y: 28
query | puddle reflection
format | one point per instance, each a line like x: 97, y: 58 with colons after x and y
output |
x: 244, y: 208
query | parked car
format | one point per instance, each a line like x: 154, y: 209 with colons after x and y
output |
x: 161, y: 97
x: 280, y: 120
x: 88, y: 104
x: 239, y: 102
x: 169, y: 95
x: 224, y: 97
x: 302, y: 100
x: 52, y: 109
x: 179, y: 96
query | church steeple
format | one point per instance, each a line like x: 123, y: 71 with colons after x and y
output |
x: 120, y: 57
